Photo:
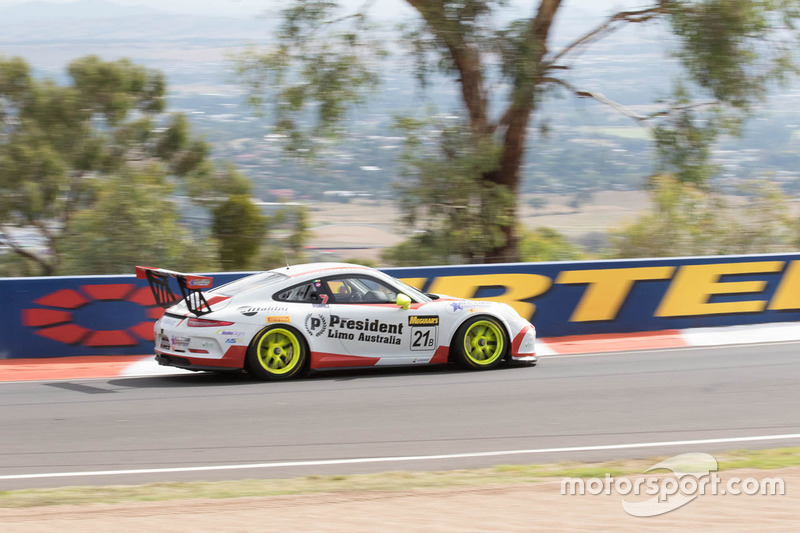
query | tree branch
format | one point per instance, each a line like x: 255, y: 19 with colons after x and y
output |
x: 639, y: 118
x: 19, y: 250
x: 72, y: 197
x: 466, y: 59
x: 612, y: 24
x: 517, y: 116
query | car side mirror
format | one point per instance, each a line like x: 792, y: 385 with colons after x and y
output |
x: 403, y: 301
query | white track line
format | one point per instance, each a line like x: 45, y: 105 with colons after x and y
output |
x: 362, y: 460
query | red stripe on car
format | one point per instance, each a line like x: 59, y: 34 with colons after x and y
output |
x: 335, y: 360
x: 518, y: 340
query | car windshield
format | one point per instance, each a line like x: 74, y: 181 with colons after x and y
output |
x: 256, y: 281
x: 415, y: 294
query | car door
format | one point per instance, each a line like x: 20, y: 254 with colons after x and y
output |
x: 309, y: 301
x: 368, y: 322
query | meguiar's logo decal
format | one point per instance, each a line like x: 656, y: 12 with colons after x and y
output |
x: 423, y: 320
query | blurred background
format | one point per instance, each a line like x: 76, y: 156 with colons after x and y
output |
x: 239, y: 135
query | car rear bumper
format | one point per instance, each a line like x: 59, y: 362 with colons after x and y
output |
x: 232, y: 360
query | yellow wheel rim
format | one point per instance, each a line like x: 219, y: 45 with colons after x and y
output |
x: 279, y: 351
x: 483, y: 342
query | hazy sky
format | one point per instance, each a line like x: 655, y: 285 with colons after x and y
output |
x: 254, y: 7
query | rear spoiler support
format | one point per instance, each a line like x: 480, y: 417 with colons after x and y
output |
x: 191, y: 288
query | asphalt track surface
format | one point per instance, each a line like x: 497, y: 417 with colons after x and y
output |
x: 607, y: 406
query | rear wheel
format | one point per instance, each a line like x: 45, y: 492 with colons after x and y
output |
x: 278, y: 352
x: 480, y: 343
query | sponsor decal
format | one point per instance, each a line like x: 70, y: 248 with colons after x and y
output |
x: 363, y: 337
x: 234, y: 340
x: 315, y: 324
x: 196, y: 283
x: 164, y: 345
x: 230, y: 333
x: 424, y: 332
x: 423, y: 320
x: 180, y: 342
x: 170, y: 322
x: 285, y: 319
x: 477, y: 307
x: 366, y: 324
x: 454, y: 307
x: 208, y: 344
x: 248, y: 310
x: 360, y: 329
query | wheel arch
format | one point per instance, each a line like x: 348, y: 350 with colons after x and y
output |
x: 457, y: 326
x: 300, y: 337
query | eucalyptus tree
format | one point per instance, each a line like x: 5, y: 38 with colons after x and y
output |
x: 461, y: 181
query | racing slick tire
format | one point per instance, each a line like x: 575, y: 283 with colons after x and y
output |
x: 480, y: 343
x: 276, y: 353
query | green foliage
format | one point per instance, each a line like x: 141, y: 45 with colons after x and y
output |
x: 425, y: 248
x: 291, y: 229
x: 63, y: 148
x: 133, y: 221
x: 319, y: 66
x: 116, y: 88
x: 689, y: 221
x: 459, y: 216
x: 240, y: 228
x: 546, y: 244
x: 684, y: 138
x: 299, y: 232
x: 14, y: 265
x: 732, y: 50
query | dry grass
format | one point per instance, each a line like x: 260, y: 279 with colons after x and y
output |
x: 390, y: 481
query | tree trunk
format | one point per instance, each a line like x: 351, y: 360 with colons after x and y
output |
x: 466, y: 58
x: 516, y: 119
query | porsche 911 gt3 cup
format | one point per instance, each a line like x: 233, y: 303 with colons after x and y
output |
x: 280, y: 323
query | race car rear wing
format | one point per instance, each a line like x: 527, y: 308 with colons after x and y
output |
x: 191, y: 288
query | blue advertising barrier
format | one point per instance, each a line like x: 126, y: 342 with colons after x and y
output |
x: 114, y: 315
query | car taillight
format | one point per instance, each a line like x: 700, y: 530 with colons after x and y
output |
x: 205, y: 323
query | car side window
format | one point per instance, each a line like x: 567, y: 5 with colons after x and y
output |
x: 309, y: 292
x: 359, y: 290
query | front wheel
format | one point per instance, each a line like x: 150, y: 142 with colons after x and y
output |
x: 480, y: 343
x: 277, y: 353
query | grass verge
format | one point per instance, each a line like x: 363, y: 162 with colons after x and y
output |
x: 388, y: 481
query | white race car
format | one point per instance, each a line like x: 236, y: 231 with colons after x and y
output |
x: 280, y: 323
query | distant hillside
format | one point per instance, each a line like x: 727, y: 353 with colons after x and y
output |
x: 84, y: 10
x: 100, y: 20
